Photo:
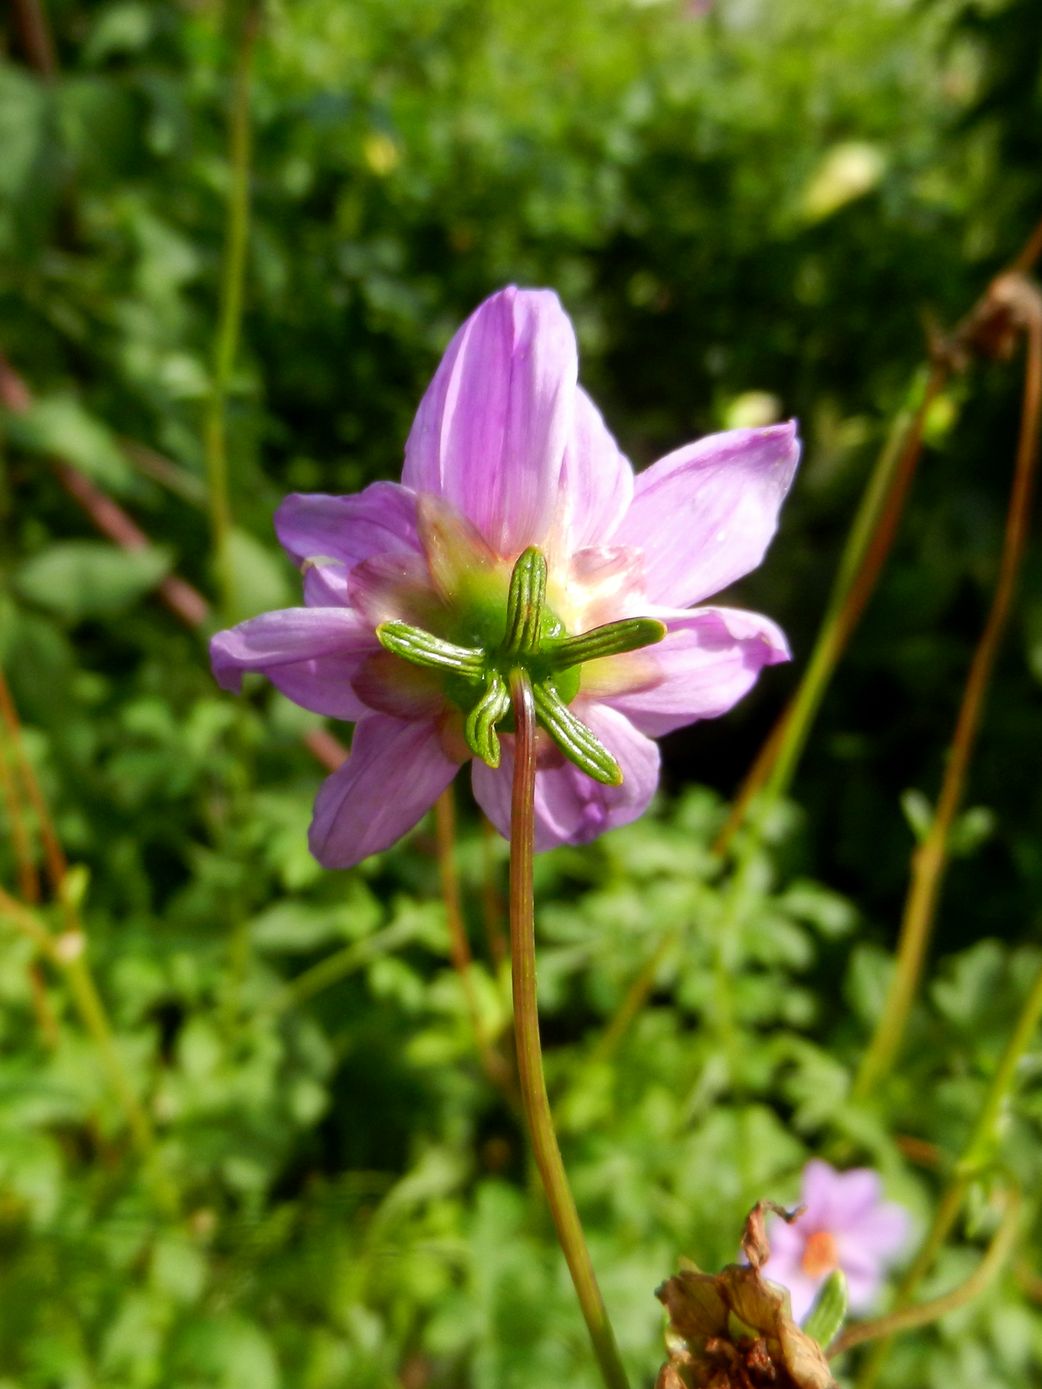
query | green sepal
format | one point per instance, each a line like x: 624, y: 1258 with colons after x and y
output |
x: 829, y: 1310
x: 614, y: 638
x: 525, y: 604
x: 422, y: 648
x: 578, y: 743
x: 479, y: 728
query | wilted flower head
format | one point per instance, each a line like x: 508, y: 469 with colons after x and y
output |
x: 845, y: 1225
x: 734, y: 1330
x: 513, y: 487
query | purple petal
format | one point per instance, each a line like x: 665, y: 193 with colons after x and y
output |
x: 379, y: 520
x: 570, y: 807
x: 862, y: 1287
x: 709, y: 660
x: 834, y: 1199
x: 390, y: 685
x: 705, y: 514
x: 395, y: 773
x: 490, y: 434
x: 597, y: 482
x: 604, y: 582
x: 877, y: 1234
x: 801, y: 1287
x: 395, y: 587
x: 310, y: 654
x: 325, y: 585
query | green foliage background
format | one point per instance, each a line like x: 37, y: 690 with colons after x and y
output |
x: 762, y: 199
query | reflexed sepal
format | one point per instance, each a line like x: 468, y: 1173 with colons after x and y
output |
x: 829, y: 1310
x: 422, y: 648
x: 613, y: 639
x: 578, y: 743
x: 525, y: 604
x: 479, y: 729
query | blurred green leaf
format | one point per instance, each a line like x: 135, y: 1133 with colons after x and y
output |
x: 87, y: 578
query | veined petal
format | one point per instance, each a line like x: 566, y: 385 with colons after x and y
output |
x: 604, y: 582
x: 705, y: 514
x: 710, y: 658
x: 597, y: 481
x: 377, y: 521
x: 490, y: 434
x: 310, y: 654
x: 394, y: 588
x: 570, y: 807
x: 325, y: 585
x: 395, y: 773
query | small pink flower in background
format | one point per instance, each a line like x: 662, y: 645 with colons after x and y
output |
x: 845, y: 1225
x: 508, y: 452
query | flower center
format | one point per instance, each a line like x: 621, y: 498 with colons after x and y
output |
x: 491, y: 635
x: 820, y: 1254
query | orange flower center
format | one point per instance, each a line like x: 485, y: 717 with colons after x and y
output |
x: 820, y: 1255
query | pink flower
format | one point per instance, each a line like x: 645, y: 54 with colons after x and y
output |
x: 845, y: 1225
x: 507, y: 451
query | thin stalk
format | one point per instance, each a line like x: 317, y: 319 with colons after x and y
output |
x: 15, y: 914
x: 67, y: 952
x: 177, y: 595
x: 31, y: 20
x: 492, y: 1062
x: 341, y: 964
x: 491, y: 898
x: 53, y: 855
x: 229, y: 314
x: 529, y: 1051
x: 910, y: 1318
x: 28, y: 880
x: 931, y: 857
x: 974, y: 1157
x: 865, y: 553
x: 1030, y: 252
x: 635, y: 998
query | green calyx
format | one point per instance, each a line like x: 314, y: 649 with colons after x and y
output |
x: 477, y: 678
x: 827, y: 1314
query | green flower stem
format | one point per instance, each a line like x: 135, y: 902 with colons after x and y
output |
x: 637, y: 995
x: 911, y: 1318
x: 980, y: 1146
x: 343, y: 963
x: 931, y: 857
x: 864, y: 555
x: 529, y: 1051
x: 493, y: 1063
x: 68, y: 953
x: 229, y: 314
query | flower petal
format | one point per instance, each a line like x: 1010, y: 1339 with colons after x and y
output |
x: 395, y: 773
x: 325, y: 585
x: 597, y: 481
x: 862, y: 1288
x: 705, y: 514
x: 377, y: 521
x: 801, y: 1287
x: 395, y: 587
x: 570, y: 807
x: 710, y: 658
x: 878, y: 1234
x: 490, y: 434
x: 310, y: 654
x: 835, y: 1199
